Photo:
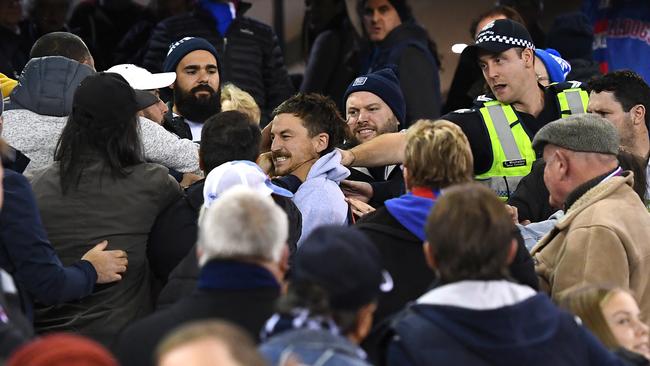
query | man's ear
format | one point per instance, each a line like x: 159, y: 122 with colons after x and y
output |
x: 528, y: 55
x: 172, y: 86
x: 428, y: 255
x: 321, y: 141
x: 564, y: 163
x: 638, y: 114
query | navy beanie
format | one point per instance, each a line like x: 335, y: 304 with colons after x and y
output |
x: 182, y: 47
x: 384, y: 84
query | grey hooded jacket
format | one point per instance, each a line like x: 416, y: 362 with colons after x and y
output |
x: 39, y: 106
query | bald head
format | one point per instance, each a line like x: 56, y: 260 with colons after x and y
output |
x: 62, y: 44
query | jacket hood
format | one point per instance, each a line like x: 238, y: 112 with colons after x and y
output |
x: 411, y: 211
x: 329, y: 166
x: 47, y: 85
x: 501, y: 335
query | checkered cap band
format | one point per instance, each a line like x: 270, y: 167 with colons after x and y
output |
x: 505, y: 40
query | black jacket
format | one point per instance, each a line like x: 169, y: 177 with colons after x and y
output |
x: 172, y: 249
x: 250, y: 54
x: 384, y: 186
x: 103, y: 26
x: 241, y: 299
x: 14, y: 52
x: 407, y: 47
x: 333, y: 63
x: 531, y: 196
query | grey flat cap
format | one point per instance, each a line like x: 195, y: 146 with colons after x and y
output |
x: 581, y: 132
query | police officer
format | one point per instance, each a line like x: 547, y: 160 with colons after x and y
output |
x: 501, y: 124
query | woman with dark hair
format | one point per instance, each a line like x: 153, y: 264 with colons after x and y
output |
x: 100, y: 187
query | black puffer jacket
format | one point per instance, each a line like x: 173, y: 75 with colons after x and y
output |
x: 407, y: 46
x: 250, y: 54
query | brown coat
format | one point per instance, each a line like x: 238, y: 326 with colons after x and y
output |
x: 604, y: 238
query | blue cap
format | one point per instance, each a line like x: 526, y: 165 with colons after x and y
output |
x: 182, y: 47
x: 557, y: 67
x: 384, y: 84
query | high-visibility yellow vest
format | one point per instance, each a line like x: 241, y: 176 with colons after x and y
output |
x: 512, y: 150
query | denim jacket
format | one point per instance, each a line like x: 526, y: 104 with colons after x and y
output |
x: 312, y: 347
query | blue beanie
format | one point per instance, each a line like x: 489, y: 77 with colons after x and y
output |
x: 384, y: 84
x: 556, y: 66
x: 182, y: 47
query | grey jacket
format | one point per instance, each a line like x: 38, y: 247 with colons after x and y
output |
x: 120, y: 210
x: 39, y: 105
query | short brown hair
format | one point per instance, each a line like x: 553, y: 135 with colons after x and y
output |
x: 470, y: 234
x: 319, y: 114
x: 437, y: 155
x: 586, y: 303
x: 241, y: 346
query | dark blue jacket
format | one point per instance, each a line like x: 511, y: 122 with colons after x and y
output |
x: 407, y: 47
x: 531, y: 332
x: 26, y: 253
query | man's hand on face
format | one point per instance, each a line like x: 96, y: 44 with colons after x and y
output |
x: 361, y: 191
x: 109, y: 264
x: 265, y: 161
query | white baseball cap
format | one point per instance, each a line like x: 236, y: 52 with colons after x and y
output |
x: 142, y: 79
x: 238, y: 173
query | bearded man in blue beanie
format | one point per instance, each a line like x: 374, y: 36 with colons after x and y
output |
x: 374, y: 105
x: 252, y: 58
x: 197, y: 91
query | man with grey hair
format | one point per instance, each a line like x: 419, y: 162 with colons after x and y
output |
x: 603, y: 237
x: 243, y: 259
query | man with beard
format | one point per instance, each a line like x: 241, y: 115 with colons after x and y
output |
x: 374, y: 105
x: 197, y: 95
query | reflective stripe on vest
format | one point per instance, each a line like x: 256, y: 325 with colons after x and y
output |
x: 512, y: 150
x: 572, y: 101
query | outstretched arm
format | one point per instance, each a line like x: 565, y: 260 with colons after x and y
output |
x: 385, y: 149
